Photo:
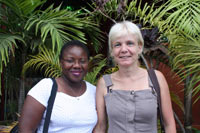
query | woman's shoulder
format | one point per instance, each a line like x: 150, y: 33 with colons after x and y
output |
x: 159, y: 74
x: 43, y: 85
x: 44, y: 80
x: 103, y: 81
x: 41, y: 91
x: 161, y: 79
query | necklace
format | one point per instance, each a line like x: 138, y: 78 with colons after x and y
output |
x: 77, y: 97
x: 71, y: 91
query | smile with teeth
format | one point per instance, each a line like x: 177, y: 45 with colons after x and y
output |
x: 124, y: 57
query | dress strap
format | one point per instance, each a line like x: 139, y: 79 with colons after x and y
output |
x: 108, y: 81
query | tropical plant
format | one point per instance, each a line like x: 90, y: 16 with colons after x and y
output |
x: 179, y: 20
x: 27, y: 27
x: 96, y: 65
x: 46, y: 61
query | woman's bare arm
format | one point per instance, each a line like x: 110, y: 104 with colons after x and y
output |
x: 166, y: 105
x: 31, y: 115
x: 101, y: 109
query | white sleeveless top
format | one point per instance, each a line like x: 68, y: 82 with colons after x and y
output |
x: 69, y: 114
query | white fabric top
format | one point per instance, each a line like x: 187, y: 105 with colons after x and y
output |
x: 69, y: 114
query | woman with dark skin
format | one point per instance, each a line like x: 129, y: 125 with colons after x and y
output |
x: 74, y: 108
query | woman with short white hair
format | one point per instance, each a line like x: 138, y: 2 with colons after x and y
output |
x: 127, y: 98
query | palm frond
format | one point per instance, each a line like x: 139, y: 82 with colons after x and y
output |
x: 176, y: 99
x: 28, y: 6
x: 60, y: 25
x: 180, y: 14
x: 93, y: 75
x: 22, y: 8
x: 185, y: 50
x: 7, y: 43
x: 46, y: 61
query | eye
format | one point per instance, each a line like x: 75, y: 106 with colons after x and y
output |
x: 130, y: 43
x: 83, y: 61
x: 69, y: 60
x: 116, y: 45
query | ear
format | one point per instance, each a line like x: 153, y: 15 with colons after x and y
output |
x: 111, y: 53
x: 140, y: 46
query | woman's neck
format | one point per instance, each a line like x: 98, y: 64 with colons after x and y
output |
x: 73, y: 85
x: 128, y: 72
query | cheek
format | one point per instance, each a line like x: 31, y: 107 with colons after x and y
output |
x: 114, y: 52
x: 67, y: 65
x: 85, y: 67
x: 62, y: 65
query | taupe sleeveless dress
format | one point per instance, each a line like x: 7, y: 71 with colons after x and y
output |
x: 131, y: 111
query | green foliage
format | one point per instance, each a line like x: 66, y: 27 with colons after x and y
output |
x: 22, y: 8
x: 186, y: 61
x: 116, y: 10
x: 179, y: 21
x: 46, y: 61
x: 60, y: 25
x: 13, y: 16
x: 179, y: 16
x: 96, y: 64
x: 176, y: 99
x: 7, y: 43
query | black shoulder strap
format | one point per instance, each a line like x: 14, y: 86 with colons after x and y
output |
x: 50, y: 106
x: 156, y: 86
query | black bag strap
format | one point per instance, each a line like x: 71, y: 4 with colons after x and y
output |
x: 156, y: 86
x: 50, y: 106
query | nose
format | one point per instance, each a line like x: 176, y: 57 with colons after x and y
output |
x: 77, y: 64
x: 124, y: 48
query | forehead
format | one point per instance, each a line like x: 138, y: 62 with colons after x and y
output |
x: 70, y: 47
x: 74, y: 49
x: 125, y: 37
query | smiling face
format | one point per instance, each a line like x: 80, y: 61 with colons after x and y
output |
x: 125, y: 50
x: 74, y: 63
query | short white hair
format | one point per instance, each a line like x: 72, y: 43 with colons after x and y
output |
x: 124, y: 28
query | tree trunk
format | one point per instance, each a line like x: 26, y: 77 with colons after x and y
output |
x: 2, y: 95
x: 188, y: 106
x: 22, y: 84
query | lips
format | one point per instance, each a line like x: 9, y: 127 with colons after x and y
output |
x: 76, y: 73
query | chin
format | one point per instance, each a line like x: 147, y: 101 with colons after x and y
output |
x: 125, y: 65
x: 77, y: 80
